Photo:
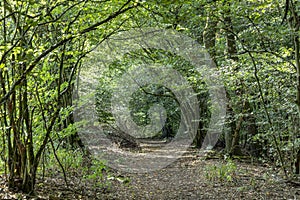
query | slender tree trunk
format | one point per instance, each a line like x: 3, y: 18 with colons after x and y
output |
x: 209, y: 41
x: 297, y: 57
x: 235, y: 124
x: 295, y: 25
x: 209, y: 34
x: 230, y: 39
x: 252, y: 130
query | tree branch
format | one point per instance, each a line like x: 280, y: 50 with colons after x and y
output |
x: 60, y: 43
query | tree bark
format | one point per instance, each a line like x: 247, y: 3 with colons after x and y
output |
x: 295, y: 25
x: 209, y: 34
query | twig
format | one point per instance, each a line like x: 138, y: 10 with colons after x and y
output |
x: 57, y: 159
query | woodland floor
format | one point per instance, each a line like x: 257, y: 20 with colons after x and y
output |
x: 190, y: 177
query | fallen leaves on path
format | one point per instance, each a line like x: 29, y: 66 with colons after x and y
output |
x: 187, y: 178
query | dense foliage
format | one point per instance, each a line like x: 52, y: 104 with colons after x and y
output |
x: 255, y: 45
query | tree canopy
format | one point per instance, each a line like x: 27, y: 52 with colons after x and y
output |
x: 46, y: 45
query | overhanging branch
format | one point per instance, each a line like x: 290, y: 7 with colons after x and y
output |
x: 60, y: 43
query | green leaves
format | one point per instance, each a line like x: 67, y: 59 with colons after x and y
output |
x: 42, y: 44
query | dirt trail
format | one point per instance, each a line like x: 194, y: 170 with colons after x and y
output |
x: 189, y: 177
x: 194, y: 177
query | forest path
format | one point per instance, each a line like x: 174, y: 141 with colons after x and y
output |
x: 194, y: 177
x: 189, y: 177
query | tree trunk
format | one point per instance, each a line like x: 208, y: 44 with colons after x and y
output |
x: 230, y: 126
x: 124, y: 140
x: 209, y: 34
x: 255, y: 147
x: 230, y: 39
x: 234, y: 148
x: 209, y: 41
x: 295, y: 25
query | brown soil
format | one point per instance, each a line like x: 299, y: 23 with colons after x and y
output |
x: 190, y: 177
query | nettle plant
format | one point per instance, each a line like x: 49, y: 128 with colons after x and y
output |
x: 224, y: 172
